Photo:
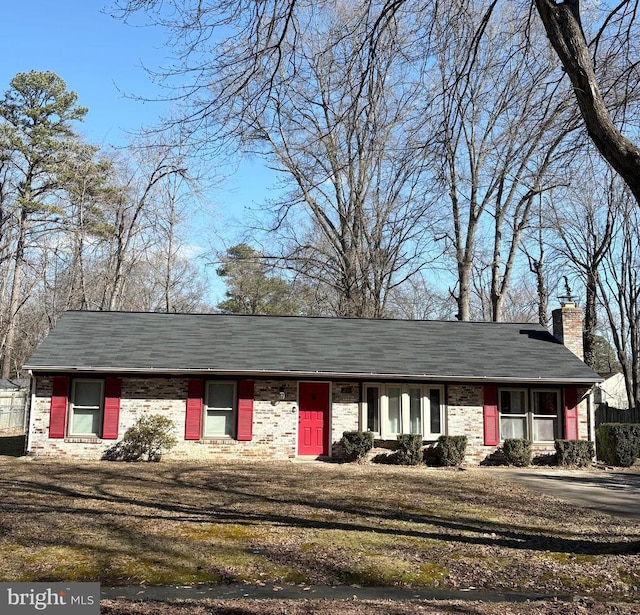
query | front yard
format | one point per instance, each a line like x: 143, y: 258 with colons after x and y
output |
x: 313, y: 523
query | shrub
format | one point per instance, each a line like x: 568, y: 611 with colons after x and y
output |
x: 578, y: 453
x: 409, y: 451
x: 618, y: 443
x: 356, y: 444
x: 149, y: 436
x: 451, y: 450
x: 518, y: 452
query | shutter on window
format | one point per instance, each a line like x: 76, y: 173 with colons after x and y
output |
x: 571, y: 414
x: 491, y: 416
x: 59, y: 402
x: 111, y: 418
x: 245, y: 410
x: 193, y: 421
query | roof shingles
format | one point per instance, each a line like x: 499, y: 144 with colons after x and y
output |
x: 183, y: 343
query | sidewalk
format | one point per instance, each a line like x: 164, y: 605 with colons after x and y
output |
x: 308, y: 592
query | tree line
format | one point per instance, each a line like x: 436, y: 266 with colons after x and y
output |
x: 82, y: 227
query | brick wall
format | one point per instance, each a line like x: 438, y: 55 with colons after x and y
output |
x: 465, y: 418
x: 274, y: 421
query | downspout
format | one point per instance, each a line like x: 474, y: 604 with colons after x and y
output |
x: 30, y: 405
x: 591, y: 421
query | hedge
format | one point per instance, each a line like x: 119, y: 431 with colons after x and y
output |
x: 518, y: 452
x: 451, y: 450
x: 618, y: 443
x: 577, y: 453
x: 356, y: 444
x: 409, y: 451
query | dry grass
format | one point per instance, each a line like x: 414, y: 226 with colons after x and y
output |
x: 173, y: 523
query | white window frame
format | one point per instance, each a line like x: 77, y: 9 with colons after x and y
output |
x: 405, y: 409
x: 233, y: 411
x: 523, y: 415
x: 73, y: 407
x: 556, y: 416
x: 530, y: 416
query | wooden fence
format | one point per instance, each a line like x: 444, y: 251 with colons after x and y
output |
x: 13, y: 409
x: 609, y: 414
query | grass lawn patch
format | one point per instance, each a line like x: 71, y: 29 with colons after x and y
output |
x: 184, y: 523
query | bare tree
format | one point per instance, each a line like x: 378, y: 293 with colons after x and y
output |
x: 504, y: 117
x: 619, y: 287
x: 583, y: 222
x: 344, y: 129
x: 563, y: 23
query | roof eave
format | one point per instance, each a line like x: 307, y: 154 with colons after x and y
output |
x: 311, y: 374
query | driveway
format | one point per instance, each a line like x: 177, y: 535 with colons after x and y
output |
x: 616, y: 492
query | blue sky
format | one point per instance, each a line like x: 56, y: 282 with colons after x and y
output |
x: 102, y: 59
x: 98, y: 56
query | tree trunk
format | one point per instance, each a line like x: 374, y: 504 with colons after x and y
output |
x: 14, y: 301
x: 590, y: 318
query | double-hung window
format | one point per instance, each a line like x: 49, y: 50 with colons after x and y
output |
x: 513, y: 413
x: 532, y: 415
x: 86, y: 408
x: 546, y: 404
x: 219, y: 411
x: 394, y: 409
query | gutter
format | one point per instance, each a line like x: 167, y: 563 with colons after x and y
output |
x: 32, y: 401
x: 372, y: 376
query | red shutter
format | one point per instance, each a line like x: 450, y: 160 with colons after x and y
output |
x: 193, y: 421
x: 571, y: 414
x: 491, y: 417
x: 111, y: 417
x: 58, y: 412
x: 245, y: 410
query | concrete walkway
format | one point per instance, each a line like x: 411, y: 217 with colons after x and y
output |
x: 611, y: 491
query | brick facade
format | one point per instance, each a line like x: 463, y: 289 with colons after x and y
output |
x: 275, y: 420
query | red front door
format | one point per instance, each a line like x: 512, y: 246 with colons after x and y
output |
x: 313, y: 418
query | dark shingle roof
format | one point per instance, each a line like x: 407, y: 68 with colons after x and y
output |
x: 219, y: 343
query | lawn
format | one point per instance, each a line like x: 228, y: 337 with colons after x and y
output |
x: 311, y: 523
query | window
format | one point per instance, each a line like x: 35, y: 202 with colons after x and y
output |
x: 373, y: 408
x: 415, y: 410
x: 394, y: 409
x: 513, y: 414
x: 86, y: 408
x: 219, y: 409
x: 538, y: 423
x: 545, y: 415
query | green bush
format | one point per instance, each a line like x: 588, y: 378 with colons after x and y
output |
x: 409, y: 451
x: 618, y: 443
x: 150, y: 437
x: 517, y: 452
x: 578, y: 453
x: 451, y: 450
x: 356, y: 444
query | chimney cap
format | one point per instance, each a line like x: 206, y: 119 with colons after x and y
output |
x: 566, y: 299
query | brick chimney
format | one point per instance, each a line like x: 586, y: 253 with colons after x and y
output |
x: 567, y: 327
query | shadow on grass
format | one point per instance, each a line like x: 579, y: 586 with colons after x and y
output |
x: 13, y: 445
x: 245, y: 499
